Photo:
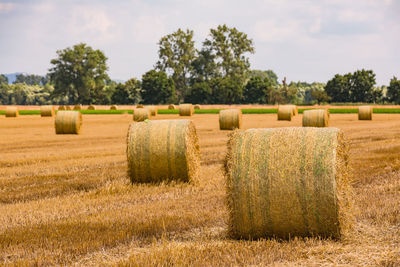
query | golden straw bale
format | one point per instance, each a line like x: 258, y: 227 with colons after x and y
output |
x: 141, y: 114
x: 163, y: 150
x: 78, y: 107
x: 47, y: 111
x: 114, y: 107
x: 153, y: 110
x: 61, y: 107
x: 365, y: 112
x: 287, y: 182
x: 139, y: 106
x: 316, y: 118
x: 197, y: 106
x: 67, y: 107
x: 171, y: 106
x: 91, y: 107
x: 295, y: 111
x: 285, y: 112
x: 186, y: 110
x: 230, y: 119
x: 12, y: 112
x: 68, y: 122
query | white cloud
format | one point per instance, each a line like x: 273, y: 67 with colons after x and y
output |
x: 6, y: 7
x: 148, y: 29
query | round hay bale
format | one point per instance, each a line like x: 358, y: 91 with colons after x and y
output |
x: 78, y: 107
x: 230, y: 119
x: 91, y: 107
x: 12, y: 112
x: 68, y: 122
x: 186, y: 110
x: 365, y: 113
x: 285, y: 112
x: 171, y: 106
x: 61, y: 107
x: 114, y: 107
x: 47, y: 111
x: 295, y: 111
x: 139, y: 106
x: 67, y: 107
x: 153, y: 110
x: 141, y: 114
x: 287, y: 182
x: 163, y: 150
x: 197, y: 106
x: 316, y: 118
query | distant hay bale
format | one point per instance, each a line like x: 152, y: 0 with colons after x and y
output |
x: 139, y: 106
x: 91, y: 107
x: 61, y: 107
x: 141, y: 114
x: 287, y: 182
x: 68, y: 122
x: 12, y: 112
x: 153, y: 110
x: 67, y: 107
x: 78, y: 107
x: 47, y: 111
x: 316, y: 118
x: 365, y: 112
x: 114, y: 107
x: 230, y: 119
x: 163, y: 150
x: 171, y: 106
x: 186, y: 110
x: 285, y: 112
x: 197, y: 106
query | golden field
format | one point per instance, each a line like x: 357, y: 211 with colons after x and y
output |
x: 67, y: 200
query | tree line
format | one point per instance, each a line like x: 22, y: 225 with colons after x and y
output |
x: 217, y: 73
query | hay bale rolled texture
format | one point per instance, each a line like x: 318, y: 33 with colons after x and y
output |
x: 78, y: 107
x: 365, y: 113
x: 68, y: 122
x: 114, y: 107
x: 294, y: 109
x: 171, y: 106
x: 197, y: 106
x: 12, y: 112
x: 186, y: 110
x: 230, y: 119
x: 67, y: 107
x: 287, y: 182
x: 163, y: 150
x: 316, y: 118
x: 61, y: 107
x: 46, y: 111
x: 153, y: 110
x: 141, y: 114
x: 285, y: 113
x: 139, y: 106
x: 91, y: 107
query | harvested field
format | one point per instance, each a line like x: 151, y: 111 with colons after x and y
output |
x: 67, y: 199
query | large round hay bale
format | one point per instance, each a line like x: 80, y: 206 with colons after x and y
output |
x: 285, y: 112
x: 78, y: 107
x: 294, y: 109
x: 91, y: 107
x: 153, y: 110
x: 365, y: 112
x: 47, y: 111
x: 197, y: 106
x: 141, y: 114
x: 171, y: 106
x: 287, y: 182
x: 316, y: 118
x: 61, y: 107
x: 68, y: 122
x: 230, y: 119
x: 114, y: 107
x: 163, y: 150
x: 139, y: 106
x: 186, y: 110
x: 12, y: 112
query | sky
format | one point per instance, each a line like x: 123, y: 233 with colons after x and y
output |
x: 303, y: 40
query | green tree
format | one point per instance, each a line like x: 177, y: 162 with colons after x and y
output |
x: 80, y: 74
x: 270, y: 74
x: 200, y: 93
x: 338, y: 88
x: 128, y: 93
x: 3, y: 79
x: 157, y: 88
x: 30, y: 79
x: 320, y: 96
x: 226, y: 90
x: 4, y: 94
x: 204, y: 67
x: 257, y: 90
x: 361, y: 85
x: 176, y: 54
x: 393, y: 91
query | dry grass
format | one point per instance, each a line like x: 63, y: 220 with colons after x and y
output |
x: 66, y: 199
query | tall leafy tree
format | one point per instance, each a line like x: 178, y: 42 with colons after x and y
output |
x: 30, y: 79
x: 257, y: 90
x: 226, y: 90
x: 127, y: 93
x: 157, y: 88
x: 200, y: 93
x: 3, y: 79
x: 361, y: 85
x: 393, y: 91
x: 176, y: 54
x: 270, y: 74
x: 80, y: 73
x: 338, y: 88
